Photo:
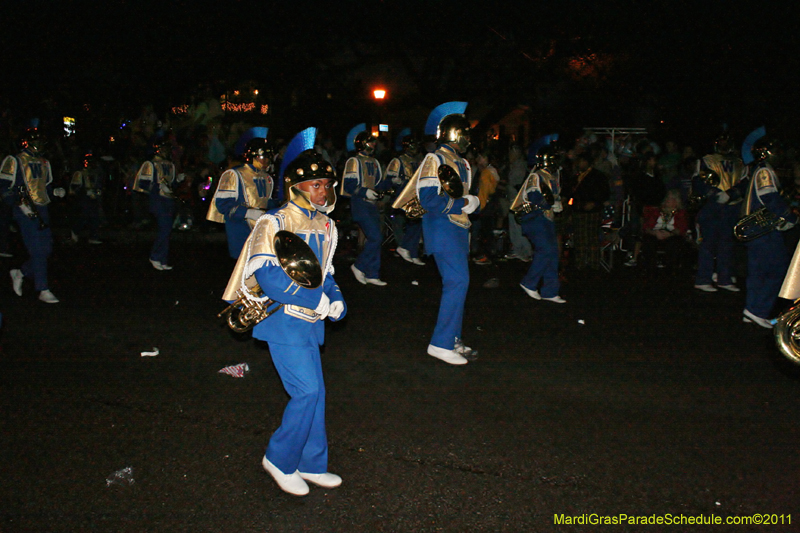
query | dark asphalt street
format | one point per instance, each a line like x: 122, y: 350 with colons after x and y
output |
x: 641, y: 396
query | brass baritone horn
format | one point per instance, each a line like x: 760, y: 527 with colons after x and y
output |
x: 756, y: 224
x: 408, y: 200
x: 297, y: 259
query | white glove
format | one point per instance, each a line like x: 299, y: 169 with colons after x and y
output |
x: 60, y: 192
x: 337, y: 308
x: 397, y: 180
x: 180, y: 177
x: 722, y: 198
x: 785, y: 225
x: 253, y: 214
x: 372, y: 195
x: 557, y: 207
x: 472, y: 204
x: 27, y: 211
x: 324, y: 306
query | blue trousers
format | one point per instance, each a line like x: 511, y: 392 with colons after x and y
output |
x: 87, y: 216
x: 544, y: 267
x: 454, y: 269
x: 164, y: 211
x: 237, y: 232
x: 39, y: 243
x: 767, y: 262
x: 411, y: 235
x: 368, y: 218
x: 716, y: 229
x: 300, y: 443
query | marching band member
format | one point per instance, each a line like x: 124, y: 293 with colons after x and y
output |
x: 363, y: 183
x: 767, y: 258
x: 399, y: 171
x: 298, y: 450
x: 25, y: 180
x: 716, y: 174
x: 157, y: 179
x: 86, y: 187
x: 535, y: 204
x: 445, y: 225
x: 244, y: 192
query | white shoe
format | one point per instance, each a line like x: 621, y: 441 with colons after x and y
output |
x: 706, y: 288
x: 48, y: 297
x: 417, y: 261
x: 160, y: 266
x: 326, y: 480
x: 375, y: 281
x: 750, y: 317
x: 292, y: 483
x: 731, y: 287
x: 16, y: 281
x: 405, y: 254
x: 465, y: 351
x: 6, y: 254
x: 555, y: 299
x: 448, y: 356
x: 360, y: 277
x: 533, y: 294
x: 94, y: 241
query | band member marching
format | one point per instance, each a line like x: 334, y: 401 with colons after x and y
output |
x: 535, y: 204
x: 157, y: 179
x: 25, y: 182
x: 244, y: 192
x: 767, y: 258
x: 298, y: 450
x: 442, y: 178
x: 716, y: 174
x: 86, y: 187
x: 399, y: 172
x: 363, y: 182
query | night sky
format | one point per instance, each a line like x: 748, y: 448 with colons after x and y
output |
x: 591, y: 63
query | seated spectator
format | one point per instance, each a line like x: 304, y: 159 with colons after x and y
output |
x: 664, y: 230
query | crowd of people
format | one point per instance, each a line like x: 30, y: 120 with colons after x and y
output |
x: 442, y: 194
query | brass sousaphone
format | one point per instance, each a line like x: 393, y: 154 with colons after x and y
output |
x: 298, y: 260
x: 787, y: 325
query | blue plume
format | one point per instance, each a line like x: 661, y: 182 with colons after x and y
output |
x: 398, y: 141
x: 441, y: 111
x: 538, y: 144
x: 302, y: 141
x: 259, y: 132
x: 351, y: 137
x: 749, y: 141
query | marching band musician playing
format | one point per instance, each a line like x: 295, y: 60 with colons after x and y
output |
x: 398, y: 172
x: 298, y: 450
x: 767, y: 258
x: 25, y: 181
x: 363, y: 183
x: 535, y: 204
x: 157, y: 179
x: 445, y: 226
x: 716, y: 174
x: 244, y: 192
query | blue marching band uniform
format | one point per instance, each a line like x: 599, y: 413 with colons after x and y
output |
x: 534, y: 203
x: 717, y: 217
x: 399, y: 173
x: 445, y: 227
x: 244, y: 193
x: 363, y: 182
x: 157, y: 179
x: 87, y: 187
x: 767, y: 257
x: 298, y: 450
x: 26, y: 184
